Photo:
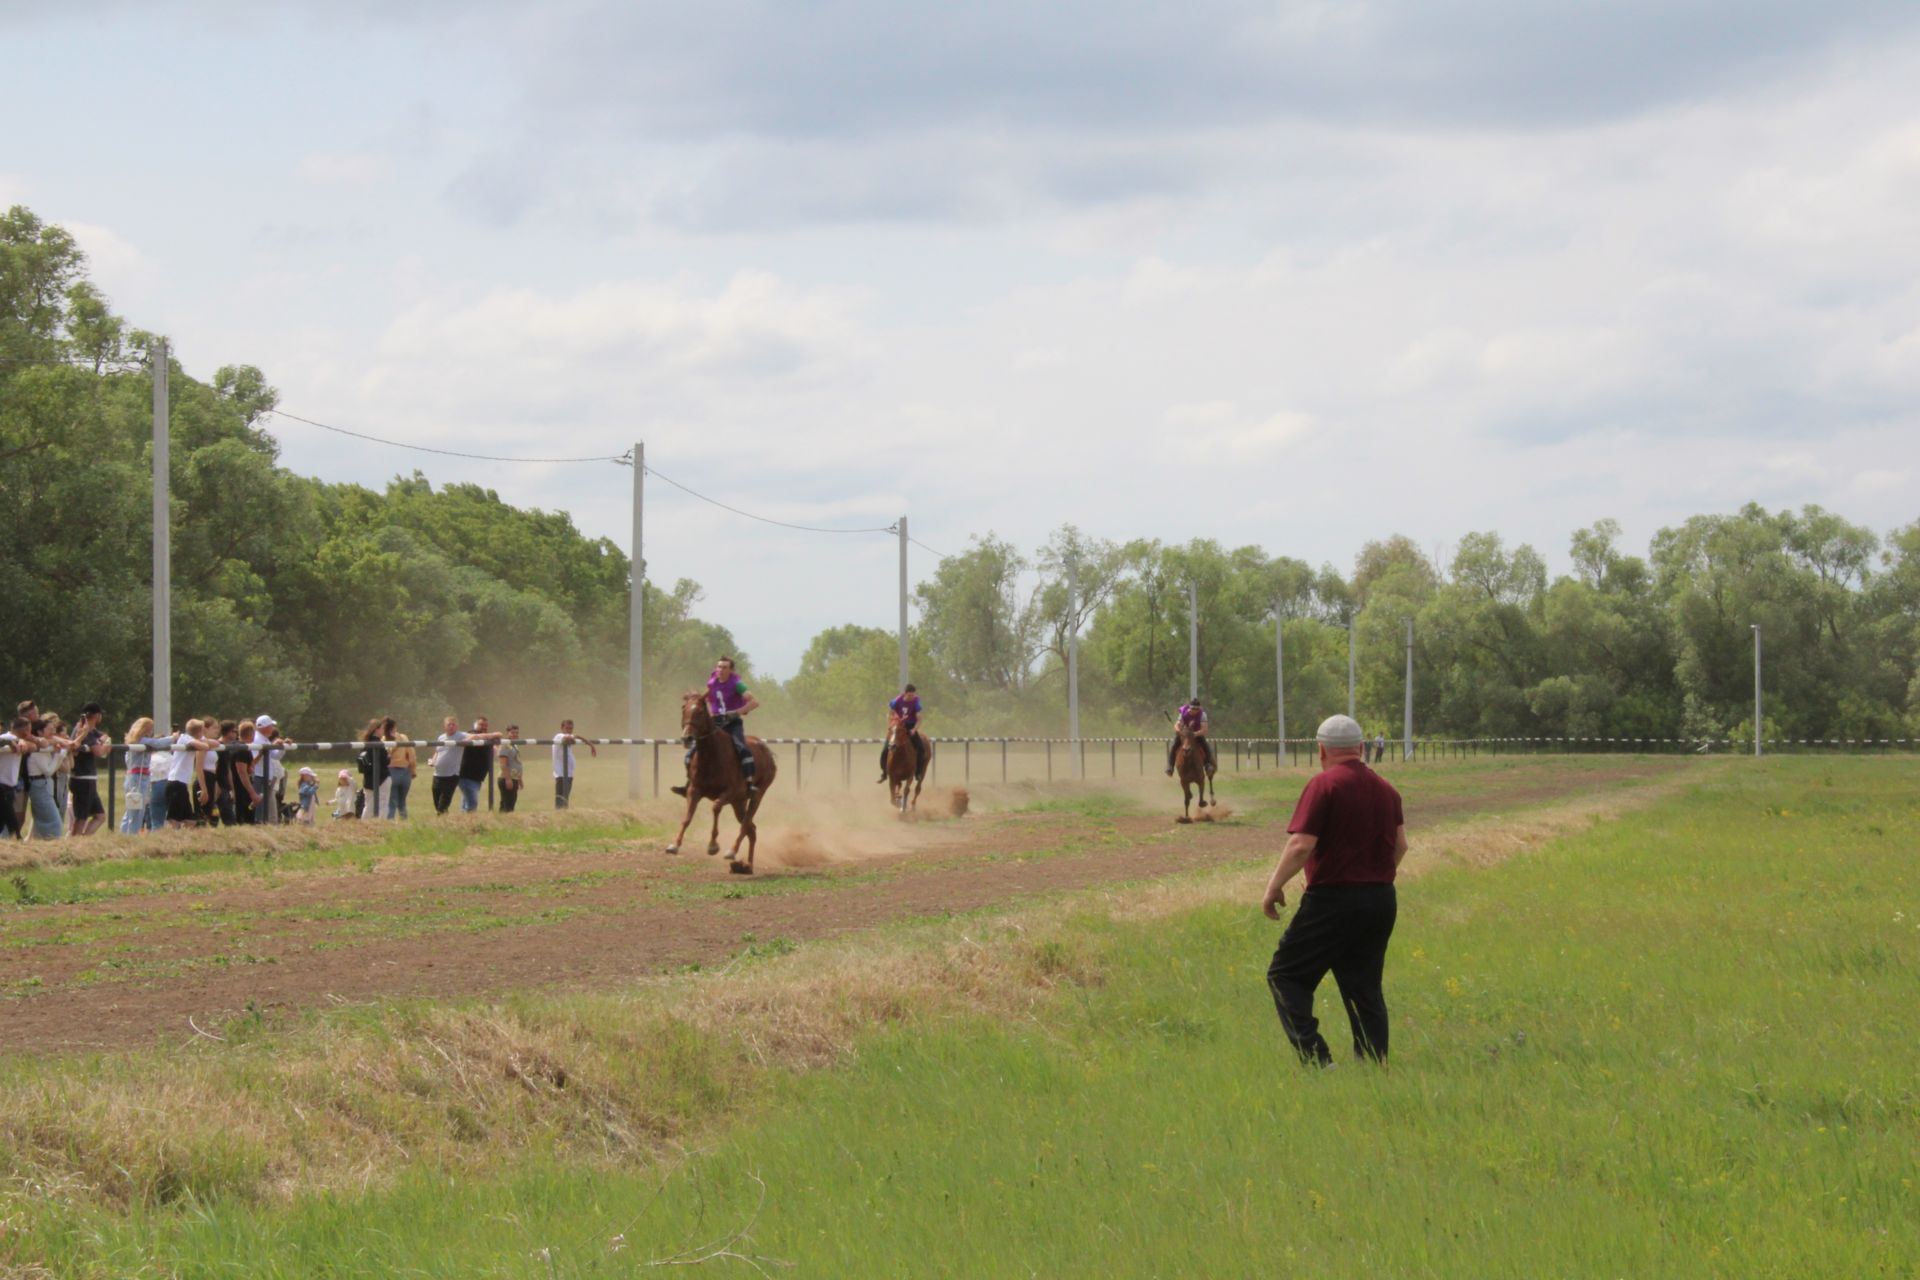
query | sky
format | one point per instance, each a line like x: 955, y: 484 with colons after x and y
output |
x: 1297, y: 274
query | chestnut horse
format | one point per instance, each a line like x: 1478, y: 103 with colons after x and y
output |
x: 715, y: 775
x: 903, y: 779
x: 1190, y: 766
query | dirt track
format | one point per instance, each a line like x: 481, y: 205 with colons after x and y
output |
x: 127, y: 970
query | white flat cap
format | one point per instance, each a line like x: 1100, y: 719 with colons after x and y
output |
x: 1340, y: 731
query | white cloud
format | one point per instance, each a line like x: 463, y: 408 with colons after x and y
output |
x: 350, y: 170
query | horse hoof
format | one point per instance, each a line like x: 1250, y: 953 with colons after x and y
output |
x: 673, y: 848
x: 1183, y: 819
x: 713, y: 850
x: 739, y: 868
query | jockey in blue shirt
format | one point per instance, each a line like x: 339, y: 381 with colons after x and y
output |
x: 1193, y: 717
x: 904, y: 712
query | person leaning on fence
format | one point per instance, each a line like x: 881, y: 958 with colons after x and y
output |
x: 1349, y: 835
x: 15, y: 743
x: 507, y: 754
x: 563, y: 764
x: 403, y: 759
x: 446, y: 764
x: 476, y: 764
x: 90, y: 747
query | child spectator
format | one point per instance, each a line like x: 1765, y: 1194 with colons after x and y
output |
x: 309, y: 795
x: 343, y: 807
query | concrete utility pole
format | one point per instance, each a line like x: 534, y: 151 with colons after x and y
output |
x: 903, y: 602
x: 1280, y: 673
x: 1350, y: 702
x: 1406, y: 725
x: 162, y: 545
x: 636, y: 643
x: 1756, y: 688
x: 1073, y: 664
x: 1193, y: 641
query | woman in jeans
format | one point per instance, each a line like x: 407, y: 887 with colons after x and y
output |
x: 402, y: 760
x: 43, y: 771
x: 139, y: 776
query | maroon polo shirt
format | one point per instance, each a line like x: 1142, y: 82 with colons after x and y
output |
x: 1353, y: 812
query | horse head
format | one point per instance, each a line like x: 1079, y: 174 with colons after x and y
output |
x: 696, y: 721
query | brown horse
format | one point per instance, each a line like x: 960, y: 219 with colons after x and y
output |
x: 715, y: 775
x: 903, y: 779
x: 1190, y: 765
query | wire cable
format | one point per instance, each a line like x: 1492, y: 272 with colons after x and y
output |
x: 445, y: 453
x: 924, y: 547
x: 784, y: 524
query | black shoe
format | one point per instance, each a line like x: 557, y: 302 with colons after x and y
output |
x: 679, y: 791
x: 881, y: 778
x: 1169, y: 771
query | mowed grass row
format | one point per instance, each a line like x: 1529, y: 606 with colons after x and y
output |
x: 1678, y: 1044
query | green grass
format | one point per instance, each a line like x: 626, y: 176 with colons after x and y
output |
x: 1682, y: 1044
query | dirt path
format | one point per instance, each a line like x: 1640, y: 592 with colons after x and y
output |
x: 124, y: 971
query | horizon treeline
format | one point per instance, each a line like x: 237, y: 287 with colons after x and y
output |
x: 328, y: 603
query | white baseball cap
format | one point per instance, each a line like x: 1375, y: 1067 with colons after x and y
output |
x: 264, y: 721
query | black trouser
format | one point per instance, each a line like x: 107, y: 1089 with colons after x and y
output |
x: 444, y: 790
x: 919, y: 754
x: 1205, y: 746
x: 563, y: 792
x: 508, y: 795
x: 1344, y: 928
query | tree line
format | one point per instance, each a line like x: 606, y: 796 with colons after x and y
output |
x: 329, y: 602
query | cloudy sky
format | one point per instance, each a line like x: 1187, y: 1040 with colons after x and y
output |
x: 1298, y: 273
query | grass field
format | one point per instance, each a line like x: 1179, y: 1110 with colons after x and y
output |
x: 1679, y: 1041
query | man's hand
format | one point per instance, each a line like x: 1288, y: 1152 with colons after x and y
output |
x: 1272, y: 902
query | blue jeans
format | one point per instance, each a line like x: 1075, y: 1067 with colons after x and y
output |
x: 156, y: 816
x: 397, y: 798
x: 47, y: 821
x: 469, y: 795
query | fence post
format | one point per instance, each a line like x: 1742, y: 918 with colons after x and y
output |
x: 799, y: 759
x: 1003, y: 761
x: 656, y: 771
x: 1049, y: 759
x: 113, y: 790
x: 1143, y: 757
x: 966, y: 754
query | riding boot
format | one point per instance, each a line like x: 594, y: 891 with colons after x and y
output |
x: 1175, y: 746
x: 883, y: 761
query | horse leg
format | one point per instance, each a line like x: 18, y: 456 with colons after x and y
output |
x: 693, y: 802
x: 743, y: 815
x: 713, y: 840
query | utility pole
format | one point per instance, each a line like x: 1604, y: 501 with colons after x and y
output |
x: 1193, y: 641
x: 1350, y: 702
x: 1406, y: 724
x: 903, y: 602
x: 162, y: 545
x: 1756, y: 689
x: 1073, y: 663
x: 636, y: 642
x: 1280, y: 675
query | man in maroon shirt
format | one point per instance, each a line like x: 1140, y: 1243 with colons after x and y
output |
x: 1349, y: 835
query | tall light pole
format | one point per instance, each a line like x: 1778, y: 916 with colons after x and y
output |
x: 1193, y: 641
x: 1280, y: 674
x: 1406, y: 723
x: 162, y: 545
x: 903, y: 602
x: 636, y: 617
x: 1756, y: 688
x: 1073, y: 663
x: 1350, y: 702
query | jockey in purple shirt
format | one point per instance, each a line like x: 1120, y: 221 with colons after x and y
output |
x: 905, y: 713
x: 1194, y: 717
x: 729, y: 701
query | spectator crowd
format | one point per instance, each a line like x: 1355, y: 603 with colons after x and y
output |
x: 214, y: 772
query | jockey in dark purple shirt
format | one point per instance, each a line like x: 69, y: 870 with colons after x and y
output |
x: 905, y: 714
x: 1193, y: 717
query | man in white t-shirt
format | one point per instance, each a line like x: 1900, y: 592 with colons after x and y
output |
x: 563, y: 768
x: 447, y: 751
x: 13, y: 745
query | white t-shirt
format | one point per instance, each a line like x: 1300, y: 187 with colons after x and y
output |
x: 158, y: 762
x: 563, y: 757
x: 43, y: 764
x: 9, y: 762
x: 180, y: 768
x: 446, y: 760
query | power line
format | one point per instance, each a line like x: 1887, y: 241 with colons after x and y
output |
x: 445, y: 453
x: 784, y: 524
x: 924, y: 547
